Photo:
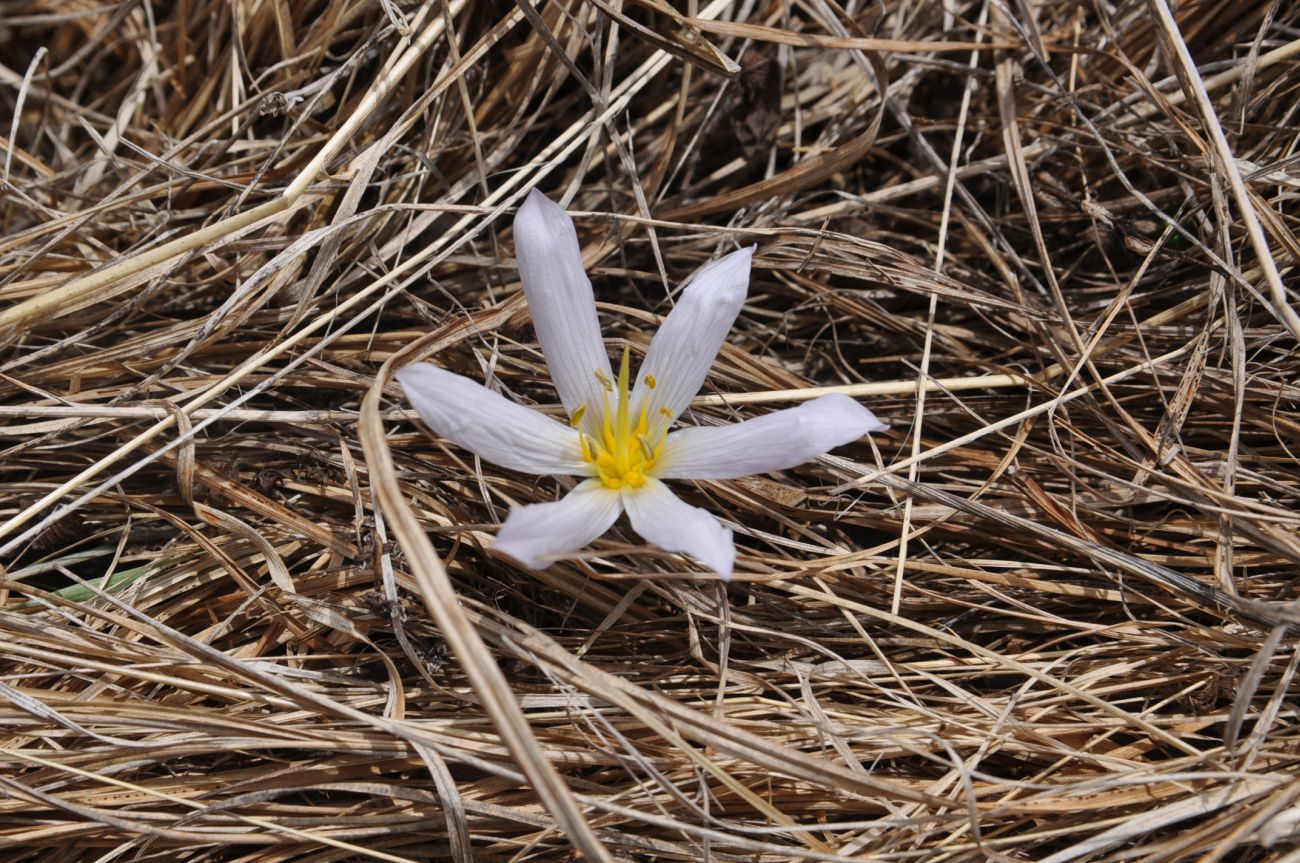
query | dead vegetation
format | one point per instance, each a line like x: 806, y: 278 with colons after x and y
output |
x: 250, y: 607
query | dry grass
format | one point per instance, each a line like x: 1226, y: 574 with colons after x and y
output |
x: 250, y: 607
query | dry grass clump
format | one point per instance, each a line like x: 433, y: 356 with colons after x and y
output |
x: 250, y: 606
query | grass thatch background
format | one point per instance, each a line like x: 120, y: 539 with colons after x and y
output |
x: 1044, y: 618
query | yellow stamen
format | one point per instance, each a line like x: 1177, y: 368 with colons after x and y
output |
x: 623, y: 453
x: 651, y: 382
x: 621, y: 425
x: 607, y: 428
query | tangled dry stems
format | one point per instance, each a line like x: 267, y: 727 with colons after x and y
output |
x: 1050, y: 616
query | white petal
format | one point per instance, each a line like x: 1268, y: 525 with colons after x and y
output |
x: 776, y: 441
x: 683, y: 350
x: 489, y: 425
x: 538, y: 532
x: 671, y: 523
x: 563, y: 306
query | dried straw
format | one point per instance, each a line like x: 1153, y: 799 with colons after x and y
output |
x: 250, y: 608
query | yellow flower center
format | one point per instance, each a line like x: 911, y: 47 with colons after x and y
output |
x: 623, y: 453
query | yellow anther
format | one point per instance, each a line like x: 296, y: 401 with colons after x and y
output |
x: 666, y: 413
x: 624, y: 452
x: 578, y: 415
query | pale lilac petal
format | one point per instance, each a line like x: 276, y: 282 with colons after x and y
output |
x: 776, y: 441
x: 489, y: 425
x: 683, y: 350
x: 665, y: 520
x: 563, y: 306
x: 537, y: 533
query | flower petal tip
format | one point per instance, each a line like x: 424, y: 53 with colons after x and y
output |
x: 723, y: 283
x: 535, y: 534
x: 716, y: 549
x: 851, y: 414
x: 520, y: 555
x: 404, y: 372
x: 537, y: 202
x: 542, y: 221
x: 420, y: 379
x: 723, y: 557
x: 733, y: 265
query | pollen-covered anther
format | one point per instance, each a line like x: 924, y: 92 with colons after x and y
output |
x: 623, y: 453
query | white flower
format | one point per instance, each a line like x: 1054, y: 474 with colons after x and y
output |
x: 618, y: 434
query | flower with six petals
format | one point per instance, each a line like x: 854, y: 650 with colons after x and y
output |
x: 618, y: 434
